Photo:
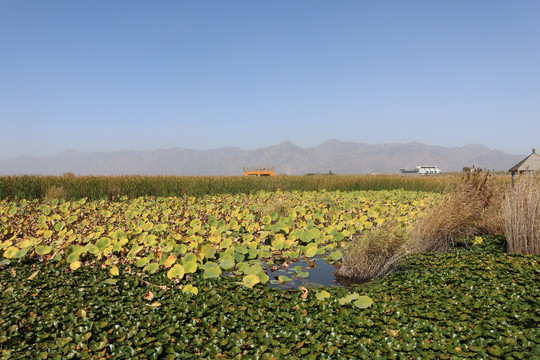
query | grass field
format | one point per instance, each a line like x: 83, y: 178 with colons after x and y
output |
x: 102, y: 187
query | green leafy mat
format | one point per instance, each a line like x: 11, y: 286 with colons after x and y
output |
x: 476, y: 302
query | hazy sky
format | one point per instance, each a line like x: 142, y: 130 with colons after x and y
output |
x: 142, y: 75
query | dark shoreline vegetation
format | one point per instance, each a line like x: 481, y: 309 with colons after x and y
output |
x: 476, y: 301
x: 72, y: 187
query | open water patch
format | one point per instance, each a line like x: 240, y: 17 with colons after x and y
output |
x: 312, y: 272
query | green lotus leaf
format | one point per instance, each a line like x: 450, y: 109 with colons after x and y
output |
x: 180, y: 249
x: 103, y: 243
x: 266, y: 220
x: 226, y: 243
x: 93, y: 249
x: 45, y: 209
x: 363, y: 302
x: 251, y: 280
x: 114, y: 271
x: 43, y: 250
x: 242, y: 266
x: 279, y: 242
x: 151, y: 268
x: 239, y: 257
x: 143, y: 261
x: 195, y: 224
x: 335, y: 256
x: 26, y: 243
x: 212, y: 271
x: 59, y: 226
x: 311, y: 251
x: 252, y: 253
x: 208, y: 251
x: 177, y: 271
x: 10, y: 252
x: 254, y: 269
x: 277, y: 227
x: 227, y: 263
x: 148, y: 226
x: 167, y: 248
x: 190, y: 289
x: 161, y: 227
x: 322, y: 295
x: 241, y: 249
x: 263, y: 277
x: 283, y: 279
x: 348, y: 299
x: 303, y: 274
x: 190, y: 266
x: 72, y: 257
x: 150, y: 240
x: 190, y: 257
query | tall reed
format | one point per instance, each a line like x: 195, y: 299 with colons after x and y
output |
x: 521, y: 211
x: 103, y: 187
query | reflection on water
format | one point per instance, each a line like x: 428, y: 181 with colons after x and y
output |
x: 320, y: 272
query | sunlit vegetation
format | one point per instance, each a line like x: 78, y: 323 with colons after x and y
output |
x: 72, y: 187
x: 209, y: 235
x: 474, y: 302
x: 127, y: 273
x: 521, y: 214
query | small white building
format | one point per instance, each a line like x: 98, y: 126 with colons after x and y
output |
x: 422, y: 170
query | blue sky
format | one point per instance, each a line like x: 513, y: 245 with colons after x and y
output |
x: 142, y: 75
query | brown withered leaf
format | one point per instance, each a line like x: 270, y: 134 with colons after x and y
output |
x: 149, y: 296
x: 304, y: 292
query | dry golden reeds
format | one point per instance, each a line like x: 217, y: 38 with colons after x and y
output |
x: 374, y: 254
x: 471, y: 206
x: 54, y: 193
x: 521, y: 211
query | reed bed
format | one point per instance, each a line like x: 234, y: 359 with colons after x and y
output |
x: 73, y: 187
x: 521, y: 211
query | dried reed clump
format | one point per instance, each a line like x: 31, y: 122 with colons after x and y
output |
x: 521, y: 211
x: 374, y: 254
x: 274, y: 204
x: 113, y: 194
x: 54, y: 193
x: 469, y: 207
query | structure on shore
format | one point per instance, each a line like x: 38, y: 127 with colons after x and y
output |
x: 258, y: 171
x: 422, y: 170
x: 530, y: 164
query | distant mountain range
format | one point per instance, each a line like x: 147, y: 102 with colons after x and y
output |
x: 333, y: 155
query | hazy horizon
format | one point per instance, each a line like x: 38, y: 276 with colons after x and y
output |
x: 131, y: 75
x: 245, y: 149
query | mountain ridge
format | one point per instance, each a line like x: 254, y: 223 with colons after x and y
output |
x: 332, y: 155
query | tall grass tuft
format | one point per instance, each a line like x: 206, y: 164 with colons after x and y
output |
x: 374, y: 254
x: 521, y: 211
x: 54, y: 193
x: 460, y: 213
